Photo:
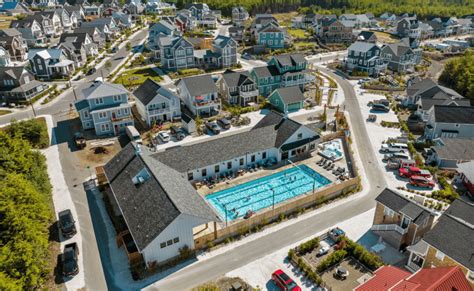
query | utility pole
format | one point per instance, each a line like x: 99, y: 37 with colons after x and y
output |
x: 74, y: 91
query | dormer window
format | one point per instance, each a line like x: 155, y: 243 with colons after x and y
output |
x: 141, y: 177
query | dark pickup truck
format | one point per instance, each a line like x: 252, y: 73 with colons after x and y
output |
x: 69, y: 260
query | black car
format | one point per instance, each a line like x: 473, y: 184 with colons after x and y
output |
x: 224, y: 123
x: 178, y: 132
x: 213, y: 127
x: 69, y: 260
x: 114, y: 49
x: 91, y: 71
x: 67, y: 223
x: 380, y: 107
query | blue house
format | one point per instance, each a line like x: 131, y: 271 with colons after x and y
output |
x: 105, y: 108
x: 271, y: 36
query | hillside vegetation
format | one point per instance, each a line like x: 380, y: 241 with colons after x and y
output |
x: 458, y: 74
x: 423, y: 8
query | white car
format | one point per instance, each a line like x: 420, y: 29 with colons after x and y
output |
x: 394, y: 147
x: 164, y: 136
x: 323, y: 250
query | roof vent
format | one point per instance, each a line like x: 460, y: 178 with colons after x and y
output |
x: 141, y: 177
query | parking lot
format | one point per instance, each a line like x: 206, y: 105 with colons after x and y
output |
x: 379, y: 134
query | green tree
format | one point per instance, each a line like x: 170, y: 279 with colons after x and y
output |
x: 458, y: 74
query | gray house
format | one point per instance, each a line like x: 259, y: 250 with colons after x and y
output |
x: 400, y: 57
x: 451, y: 151
x: 226, y: 47
x: 18, y: 85
x: 31, y: 31
x: 426, y: 93
x: 237, y: 88
x: 50, y: 63
x: 176, y: 53
x: 450, y: 122
x: 105, y: 108
x: 365, y: 57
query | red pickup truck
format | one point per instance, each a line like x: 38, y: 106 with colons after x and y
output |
x: 413, y: 171
x: 422, y: 182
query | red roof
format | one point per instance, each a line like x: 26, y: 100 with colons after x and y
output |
x: 447, y: 278
x: 384, y: 278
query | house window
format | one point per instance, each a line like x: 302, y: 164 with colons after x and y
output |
x: 86, y: 114
x: 176, y: 240
x: 190, y: 176
x: 300, y: 136
x: 162, y: 245
x: 264, y: 155
x: 170, y: 242
x: 252, y: 158
x: 99, y: 101
x: 439, y: 255
x: 388, y: 212
x: 229, y: 165
x: 104, y: 127
x: 241, y: 161
x: 204, y: 172
x: 102, y: 115
x: 117, y: 98
x: 216, y: 169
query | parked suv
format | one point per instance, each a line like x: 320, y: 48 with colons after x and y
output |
x: 394, y: 147
x: 224, y: 123
x: 69, y: 260
x: 380, y: 107
x: 67, y: 225
x: 178, y: 132
x: 420, y: 181
x: 283, y: 281
x: 413, y: 171
x: 213, y: 127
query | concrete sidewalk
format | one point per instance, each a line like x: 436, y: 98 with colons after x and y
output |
x: 62, y: 200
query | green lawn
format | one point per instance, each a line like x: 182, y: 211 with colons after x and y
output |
x: 136, y: 77
x: 297, y: 33
x: 4, y: 112
x: 304, y: 44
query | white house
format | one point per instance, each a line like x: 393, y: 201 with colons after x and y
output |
x: 273, y: 138
x: 156, y: 103
x: 199, y: 94
x: 160, y: 208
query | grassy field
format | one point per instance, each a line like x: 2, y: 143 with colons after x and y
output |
x: 4, y: 112
x: 5, y: 21
x: 136, y: 77
x: 285, y: 18
x: 386, y: 37
x: 304, y: 44
x: 297, y: 33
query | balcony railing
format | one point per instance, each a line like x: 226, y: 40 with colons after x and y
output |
x: 158, y: 111
x: 206, y: 103
x: 121, y: 118
x: 249, y: 94
x: 390, y: 227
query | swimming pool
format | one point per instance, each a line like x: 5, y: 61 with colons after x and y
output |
x: 258, y: 194
x: 332, y: 150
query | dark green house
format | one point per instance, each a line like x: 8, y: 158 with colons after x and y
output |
x: 285, y: 100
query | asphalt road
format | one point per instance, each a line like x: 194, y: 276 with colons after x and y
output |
x: 214, y: 267
x: 74, y: 173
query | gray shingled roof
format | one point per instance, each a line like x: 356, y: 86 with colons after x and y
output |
x: 153, y: 205
x: 467, y: 169
x: 400, y: 204
x: 234, y: 79
x: 199, y: 85
x: 290, y: 59
x: 103, y: 90
x: 360, y: 46
x: 266, y: 71
x: 290, y: 95
x: 455, y: 149
x: 149, y: 89
x: 271, y: 132
x: 453, y: 234
x: 454, y: 114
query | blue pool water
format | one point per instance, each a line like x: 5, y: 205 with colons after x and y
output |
x: 257, y: 194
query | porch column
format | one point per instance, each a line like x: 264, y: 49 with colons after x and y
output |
x: 215, y: 230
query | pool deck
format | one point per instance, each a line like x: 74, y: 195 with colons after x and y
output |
x: 250, y: 176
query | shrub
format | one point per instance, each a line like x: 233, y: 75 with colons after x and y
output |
x: 33, y: 130
x: 332, y: 259
x: 308, y: 246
